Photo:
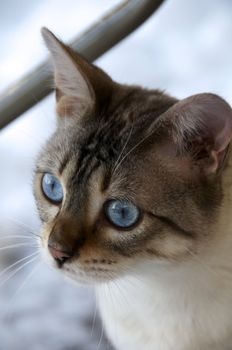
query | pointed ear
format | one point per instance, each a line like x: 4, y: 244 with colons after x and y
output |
x: 200, y: 127
x: 81, y: 87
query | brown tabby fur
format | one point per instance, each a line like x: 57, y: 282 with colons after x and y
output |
x: 170, y: 158
x: 115, y: 146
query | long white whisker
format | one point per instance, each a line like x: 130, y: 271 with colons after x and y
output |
x: 114, y: 306
x: 27, y: 278
x: 25, y: 226
x: 2, y: 238
x: 17, y: 262
x: 124, y: 301
x: 101, y: 337
x: 121, y: 153
x: 210, y: 268
x: 18, y: 245
x: 65, y: 128
x: 94, y: 318
x: 137, y: 145
x: 21, y: 286
x: 17, y: 270
x: 19, y: 222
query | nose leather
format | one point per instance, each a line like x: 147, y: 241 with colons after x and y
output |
x: 57, y: 252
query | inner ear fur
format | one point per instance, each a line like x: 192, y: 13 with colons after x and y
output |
x: 199, y: 127
x: 81, y: 87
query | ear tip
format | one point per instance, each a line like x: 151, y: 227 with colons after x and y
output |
x: 48, y: 36
x: 211, y: 97
x: 51, y: 41
x: 45, y: 31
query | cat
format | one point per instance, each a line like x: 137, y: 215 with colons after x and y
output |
x: 134, y: 194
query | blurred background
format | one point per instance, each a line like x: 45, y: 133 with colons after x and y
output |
x: 185, y: 48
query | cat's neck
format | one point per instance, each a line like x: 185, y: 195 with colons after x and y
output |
x: 166, y: 306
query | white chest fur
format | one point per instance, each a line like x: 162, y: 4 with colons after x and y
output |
x: 179, y: 308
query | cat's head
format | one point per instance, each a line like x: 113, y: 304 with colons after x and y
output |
x: 130, y: 175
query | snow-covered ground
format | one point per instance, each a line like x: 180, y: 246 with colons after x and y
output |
x: 185, y: 48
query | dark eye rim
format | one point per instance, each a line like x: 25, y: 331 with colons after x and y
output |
x: 121, y: 228
x: 57, y: 203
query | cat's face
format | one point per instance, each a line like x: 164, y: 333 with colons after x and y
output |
x: 129, y: 176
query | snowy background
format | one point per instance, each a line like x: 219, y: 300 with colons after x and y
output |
x: 185, y: 48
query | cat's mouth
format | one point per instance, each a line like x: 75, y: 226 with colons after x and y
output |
x: 89, y: 269
x: 89, y: 273
x: 86, y: 271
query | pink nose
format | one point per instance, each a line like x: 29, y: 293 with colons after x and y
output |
x: 57, y: 253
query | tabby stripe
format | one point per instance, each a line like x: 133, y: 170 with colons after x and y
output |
x: 175, y: 226
x: 64, y: 163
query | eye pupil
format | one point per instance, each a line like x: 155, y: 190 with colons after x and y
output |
x: 122, y: 213
x: 52, y: 188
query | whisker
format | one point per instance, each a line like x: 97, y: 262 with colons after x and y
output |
x: 137, y: 145
x: 121, y: 153
x: 196, y: 258
x: 111, y: 296
x: 27, y: 278
x: 124, y: 301
x: 21, y: 287
x: 18, y: 222
x: 2, y: 238
x: 101, y: 337
x: 17, y: 262
x: 23, y: 225
x: 65, y: 127
x: 94, y: 319
x: 18, y: 245
x: 17, y: 270
x: 214, y: 269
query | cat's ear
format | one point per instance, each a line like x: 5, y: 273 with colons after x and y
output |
x: 81, y: 87
x: 200, y: 130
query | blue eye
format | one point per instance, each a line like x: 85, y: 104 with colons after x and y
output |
x: 122, y: 213
x: 52, y: 188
